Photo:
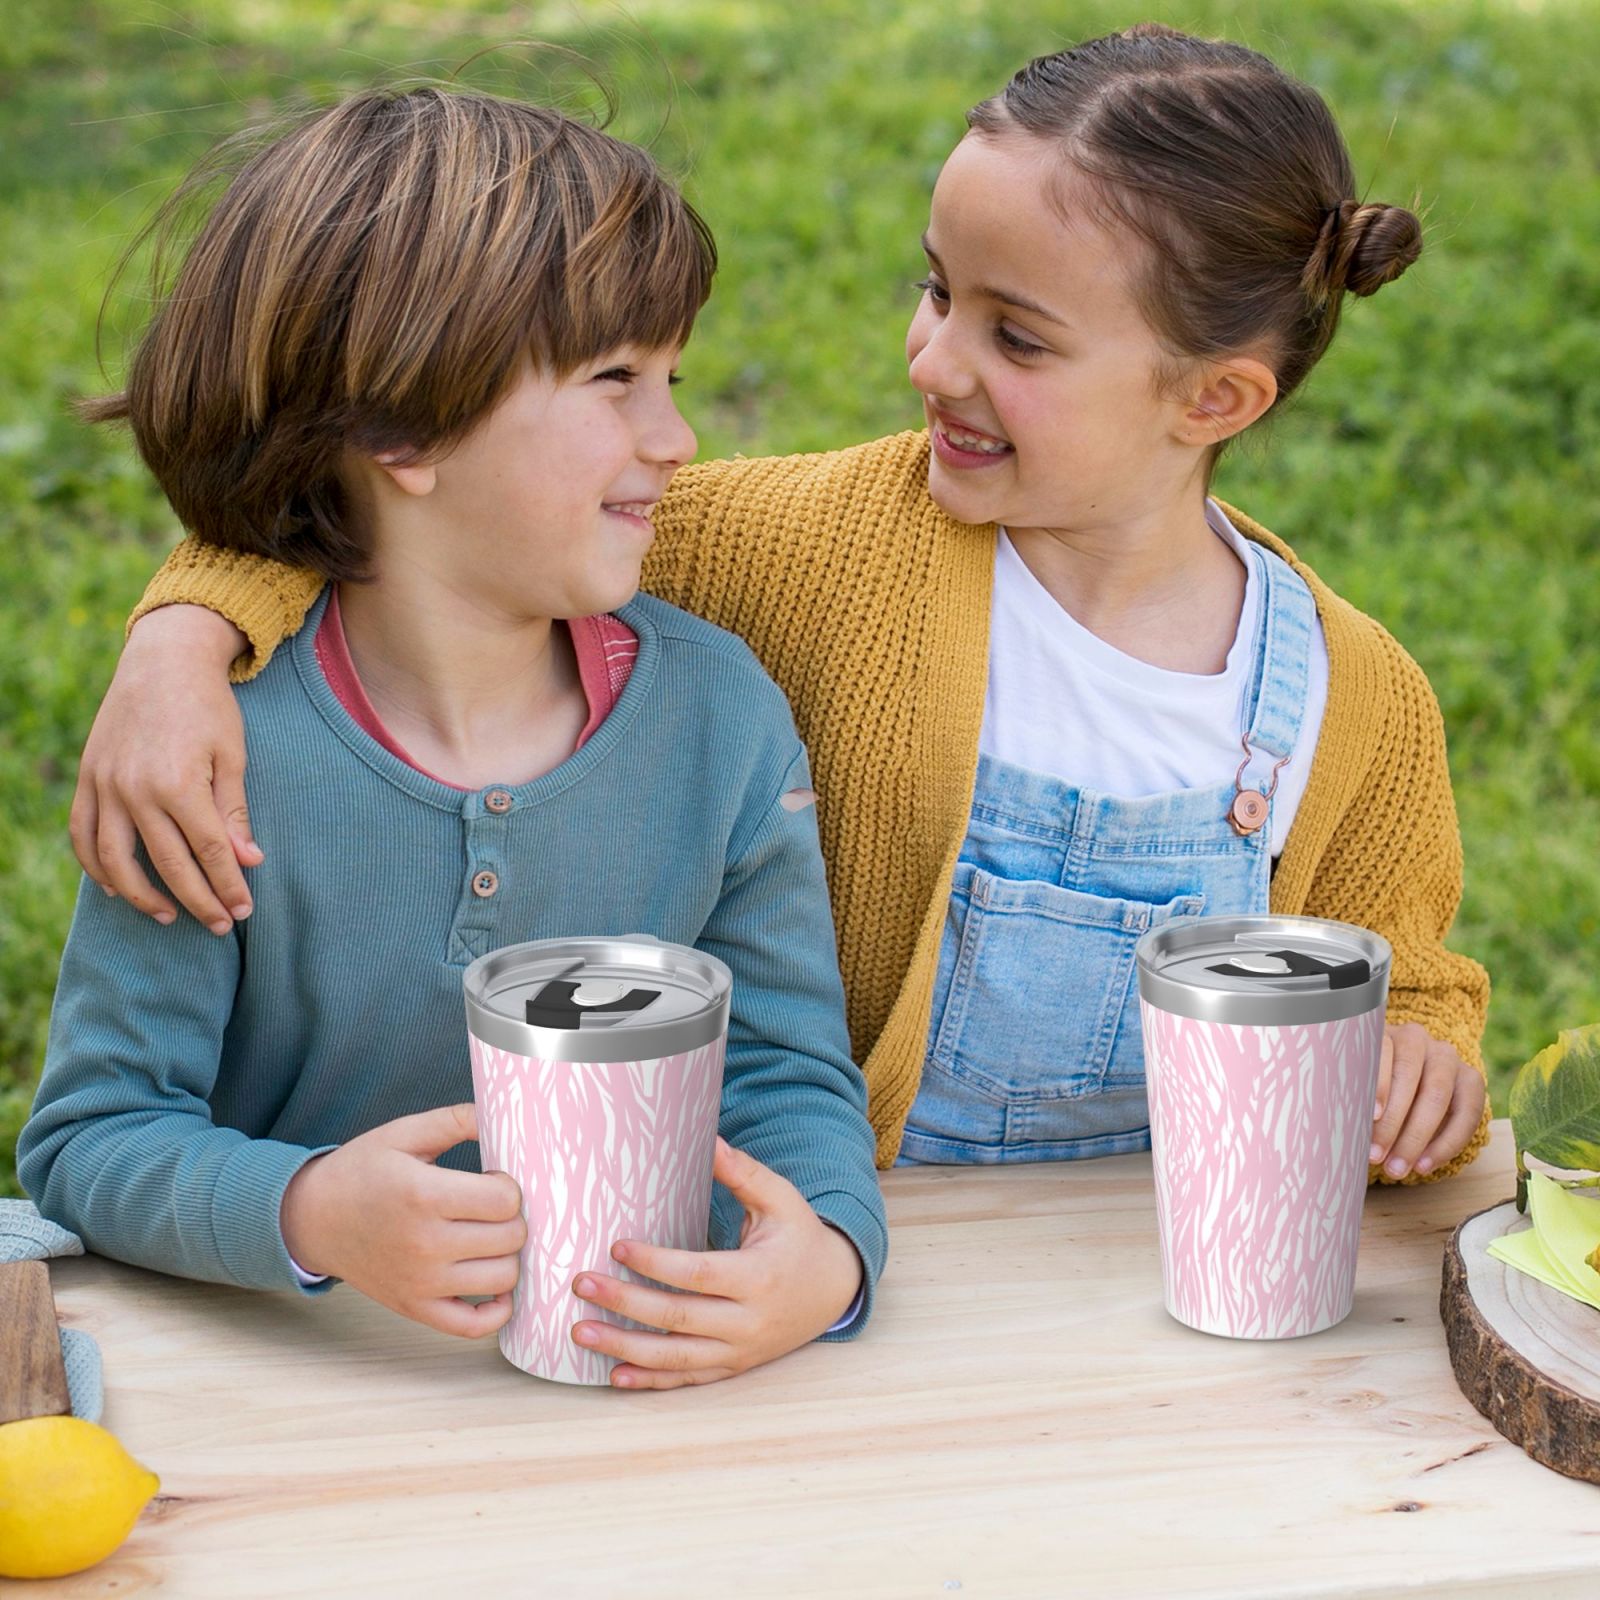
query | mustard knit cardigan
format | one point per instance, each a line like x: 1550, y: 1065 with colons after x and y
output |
x: 870, y: 607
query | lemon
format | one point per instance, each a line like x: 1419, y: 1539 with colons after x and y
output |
x: 69, y: 1495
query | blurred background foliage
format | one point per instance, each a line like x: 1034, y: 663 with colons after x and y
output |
x: 1439, y: 468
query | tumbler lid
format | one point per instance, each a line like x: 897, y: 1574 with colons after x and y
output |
x: 1265, y: 969
x: 606, y: 999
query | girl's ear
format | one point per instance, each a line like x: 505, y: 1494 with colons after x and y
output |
x: 409, y: 477
x: 1235, y: 393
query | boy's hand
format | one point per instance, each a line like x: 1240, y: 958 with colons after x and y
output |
x: 165, y: 762
x: 412, y: 1236
x: 1429, y: 1102
x: 790, y: 1279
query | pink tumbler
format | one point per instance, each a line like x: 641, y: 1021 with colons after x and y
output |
x: 1262, y: 1039
x: 597, y: 1072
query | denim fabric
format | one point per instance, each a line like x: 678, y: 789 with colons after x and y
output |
x: 1034, y: 1044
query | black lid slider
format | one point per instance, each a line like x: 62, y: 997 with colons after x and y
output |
x: 1293, y: 969
x: 595, y: 1004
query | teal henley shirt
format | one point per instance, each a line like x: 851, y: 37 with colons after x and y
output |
x: 188, y: 1077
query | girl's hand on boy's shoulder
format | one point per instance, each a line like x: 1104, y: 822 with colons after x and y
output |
x: 165, y: 763
x: 791, y: 1279
x: 1430, y: 1102
x: 413, y: 1236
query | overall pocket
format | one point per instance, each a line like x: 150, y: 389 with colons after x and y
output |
x: 1042, y: 1010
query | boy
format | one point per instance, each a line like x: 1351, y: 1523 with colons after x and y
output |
x: 424, y: 344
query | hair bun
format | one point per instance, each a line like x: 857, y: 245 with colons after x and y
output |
x: 1361, y: 248
x: 1384, y: 241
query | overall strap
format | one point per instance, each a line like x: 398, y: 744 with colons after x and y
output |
x: 1278, y: 688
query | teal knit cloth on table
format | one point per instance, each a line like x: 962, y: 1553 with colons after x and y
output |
x: 189, y: 1077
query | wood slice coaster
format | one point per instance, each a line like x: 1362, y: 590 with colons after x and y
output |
x: 1527, y: 1356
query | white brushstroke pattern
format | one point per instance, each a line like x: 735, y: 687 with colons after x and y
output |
x: 602, y: 1151
x: 1260, y: 1139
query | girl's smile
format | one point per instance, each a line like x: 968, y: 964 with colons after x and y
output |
x: 1038, y: 371
x: 962, y: 446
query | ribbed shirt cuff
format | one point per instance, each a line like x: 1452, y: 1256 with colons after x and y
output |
x: 864, y: 1229
x: 263, y: 600
x: 308, y: 1280
x: 853, y: 1310
x: 246, y: 1216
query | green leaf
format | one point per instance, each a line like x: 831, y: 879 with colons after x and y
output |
x: 1555, y: 1102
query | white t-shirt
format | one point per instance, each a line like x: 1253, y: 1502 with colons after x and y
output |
x: 1064, y: 702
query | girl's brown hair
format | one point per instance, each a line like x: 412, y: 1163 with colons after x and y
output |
x: 375, y: 279
x: 1233, y: 173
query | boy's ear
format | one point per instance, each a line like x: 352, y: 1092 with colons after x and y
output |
x: 409, y: 477
x: 1235, y: 393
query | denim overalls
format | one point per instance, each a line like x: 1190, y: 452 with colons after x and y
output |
x: 1034, y: 1044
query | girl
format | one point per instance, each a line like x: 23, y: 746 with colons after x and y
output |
x: 1055, y: 693
x: 423, y: 345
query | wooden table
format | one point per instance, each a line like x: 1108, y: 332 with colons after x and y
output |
x: 1021, y: 1419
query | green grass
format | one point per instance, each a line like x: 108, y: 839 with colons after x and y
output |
x: 1438, y: 469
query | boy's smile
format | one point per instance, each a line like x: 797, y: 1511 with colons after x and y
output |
x: 543, y: 508
x: 637, y: 512
x: 540, y: 512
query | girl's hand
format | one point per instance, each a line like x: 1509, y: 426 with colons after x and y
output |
x: 165, y: 760
x: 413, y: 1236
x: 790, y: 1279
x: 1429, y: 1102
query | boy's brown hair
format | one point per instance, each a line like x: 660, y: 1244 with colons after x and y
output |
x: 375, y: 279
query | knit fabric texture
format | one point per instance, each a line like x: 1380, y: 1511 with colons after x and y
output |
x: 870, y: 607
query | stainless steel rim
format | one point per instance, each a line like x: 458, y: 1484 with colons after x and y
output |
x: 1264, y: 1009
x: 648, y: 1043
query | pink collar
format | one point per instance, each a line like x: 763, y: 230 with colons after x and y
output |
x: 606, y: 648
